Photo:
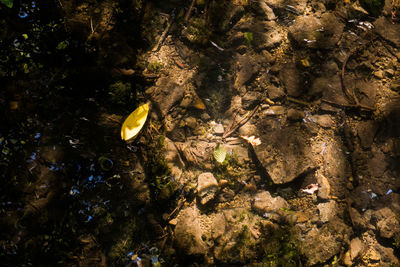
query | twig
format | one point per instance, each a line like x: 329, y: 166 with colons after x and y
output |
x: 189, y: 11
x: 349, y: 106
x: 162, y: 37
x: 242, y: 122
x: 294, y: 100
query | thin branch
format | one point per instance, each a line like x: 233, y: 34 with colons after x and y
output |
x: 239, y: 124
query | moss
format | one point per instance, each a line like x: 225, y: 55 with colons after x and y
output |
x: 198, y: 32
x: 154, y: 67
x: 281, y: 249
x: 120, y: 93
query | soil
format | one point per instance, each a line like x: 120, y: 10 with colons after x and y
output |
x: 273, y: 137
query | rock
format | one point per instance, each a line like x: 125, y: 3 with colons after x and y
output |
x: 207, y: 187
x: 319, y: 245
x: 251, y: 99
x: 266, y: 10
x: 387, y: 30
x: 324, y: 190
x: 379, y: 74
x: 356, y: 248
x: 265, y: 203
x: 236, y: 233
x: 295, y: 115
x: 246, y: 69
x: 266, y: 35
x: 188, y: 233
x: 324, y: 121
x: 218, y: 129
x: 290, y: 76
x: 165, y: 94
x: 327, y: 211
x: 191, y: 122
x: 275, y: 111
x: 275, y: 92
x: 173, y: 158
x: 366, y: 131
x: 312, y: 32
x: 285, y: 153
x: 388, y: 225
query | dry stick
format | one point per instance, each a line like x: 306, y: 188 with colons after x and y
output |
x: 242, y: 122
x: 347, y: 92
x: 162, y: 37
x: 189, y: 11
x: 297, y: 101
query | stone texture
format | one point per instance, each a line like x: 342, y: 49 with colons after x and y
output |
x: 324, y: 121
x: 285, y: 153
x: 188, y: 233
x: 388, y: 224
x: 312, y: 32
x: 265, y: 203
x: 290, y: 77
x: 327, y: 211
x: 165, y: 94
x: 319, y: 245
x: 387, y: 30
x: 207, y: 186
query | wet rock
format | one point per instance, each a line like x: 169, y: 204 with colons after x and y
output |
x: 265, y: 203
x: 387, y: 30
x: 324, y: 121
x: 275, y: 111
x: 295, y: 115
x: 319, y: 245
x: 327, y: 211
x: 190, y: 122
x: 207, y: 187
x: 266, y: 35
x: 266, y: 10
x: 312, y: 32
x: 366, y: 131
x: 174, y: 160
x: 388, y: 225
x: 246, y: 69
x: 251, y: 99
x: 290, y: 76
x: 188, y: 233
x: 165, y: 94
x: 236, y: 233
x: 285, y: 153
x: 275, y: 92
x: 324, y: 190
x: 356, y: 248
x: 218, y: 129
x: 196, y: 152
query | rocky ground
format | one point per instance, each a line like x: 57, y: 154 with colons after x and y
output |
x: 316, y: 82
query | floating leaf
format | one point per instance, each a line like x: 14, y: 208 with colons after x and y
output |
x: 8, y: 3
x: 219, y: 153
x: 134, y: 123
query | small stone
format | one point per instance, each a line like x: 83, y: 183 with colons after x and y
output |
x: 205, y: 117
x: 207, y: 187
x: 218, y: 129
x: 324, y: 121
x: 191, y: 122
x: 295, y: 115
x: 389, y: 72
x: 379, y: 74
x: 275, y: 111
x: 265, y: 203
x: 327, y: 211
x: 173, y: 221
x: 356, y: 247
x: 275, y: 92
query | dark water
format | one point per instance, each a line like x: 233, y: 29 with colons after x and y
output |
x: 65, y: 196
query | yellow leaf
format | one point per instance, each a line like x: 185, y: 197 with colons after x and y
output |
x: 219, y: 153
x: 134, y: 123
